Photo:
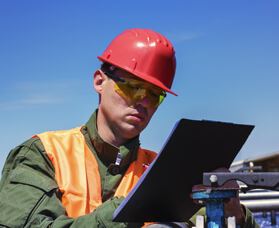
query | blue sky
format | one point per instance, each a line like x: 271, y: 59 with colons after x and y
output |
x: 227, y: 64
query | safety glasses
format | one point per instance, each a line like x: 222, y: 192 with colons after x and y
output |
x: 133, y: 90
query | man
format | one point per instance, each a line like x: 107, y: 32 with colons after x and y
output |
x: 78, y: 177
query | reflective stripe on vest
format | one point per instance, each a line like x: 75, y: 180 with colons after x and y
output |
x: 77, y: 173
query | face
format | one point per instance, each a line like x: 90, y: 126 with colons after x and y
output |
x: 124, y: 115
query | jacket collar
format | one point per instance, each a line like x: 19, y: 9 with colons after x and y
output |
x: 106, y: 152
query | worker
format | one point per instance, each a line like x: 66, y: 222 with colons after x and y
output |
x: 78, y: 177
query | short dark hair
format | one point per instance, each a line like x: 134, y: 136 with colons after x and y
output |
x: 108, y: 68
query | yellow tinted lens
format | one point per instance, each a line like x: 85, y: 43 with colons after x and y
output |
x: 134, y: 90
x: 162, y: 97
x: 122, y: 92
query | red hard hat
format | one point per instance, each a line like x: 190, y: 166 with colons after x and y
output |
x: 145, y: 54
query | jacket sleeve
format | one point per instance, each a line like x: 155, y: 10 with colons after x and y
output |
x: 29, y: 195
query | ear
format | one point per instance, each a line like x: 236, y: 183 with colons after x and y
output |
x: 98, y: 81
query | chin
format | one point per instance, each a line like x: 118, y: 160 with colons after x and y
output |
x: 131, y: 132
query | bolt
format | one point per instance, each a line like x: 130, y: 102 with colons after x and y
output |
x: 213, y: 178
x: 255, y: 179
x: 200, y: 202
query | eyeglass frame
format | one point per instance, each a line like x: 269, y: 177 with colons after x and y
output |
x: 119, y: 79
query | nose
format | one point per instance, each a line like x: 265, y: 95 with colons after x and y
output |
x: 142, y: 109
x: 142, y: 98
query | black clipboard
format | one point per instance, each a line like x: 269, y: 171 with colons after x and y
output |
x: 194, y: 146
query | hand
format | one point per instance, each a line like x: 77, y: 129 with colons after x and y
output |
x: 233, y: 207
x: 105, y: 212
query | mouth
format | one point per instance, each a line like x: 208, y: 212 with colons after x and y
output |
x: 137, y: 117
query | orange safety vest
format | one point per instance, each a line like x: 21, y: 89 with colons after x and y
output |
x: 77, y: 173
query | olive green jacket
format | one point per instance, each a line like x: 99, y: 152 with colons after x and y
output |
x: 29, y: 195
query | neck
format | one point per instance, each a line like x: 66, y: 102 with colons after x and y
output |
x: 107, y: 133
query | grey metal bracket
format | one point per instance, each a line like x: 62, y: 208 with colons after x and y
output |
x: 264, y: 180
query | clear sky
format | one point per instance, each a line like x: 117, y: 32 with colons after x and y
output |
x: 227, y: 64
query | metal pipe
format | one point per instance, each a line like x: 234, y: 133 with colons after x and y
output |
x: 261, y: 205
x: 259, y: 195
